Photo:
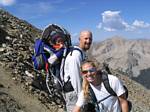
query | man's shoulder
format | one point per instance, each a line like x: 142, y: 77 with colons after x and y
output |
x: 76, y: 48
x: 75, y: 51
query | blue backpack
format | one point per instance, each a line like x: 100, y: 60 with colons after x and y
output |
x: 39, y: 58
x: 49, y: 35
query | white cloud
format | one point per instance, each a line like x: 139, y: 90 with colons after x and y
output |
x: 34, y: 10
x: 39, y: 7
x: 7, y: 2
x: 99, y: 26
x: 109, y: 29
x: 140, y: 24
x: 112, y: 21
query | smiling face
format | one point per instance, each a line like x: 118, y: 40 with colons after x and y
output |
x: 85, y: 40
x: 89, y: 72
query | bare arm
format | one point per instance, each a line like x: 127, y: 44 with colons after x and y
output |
x: 76, y: 109
x: 123, y: 103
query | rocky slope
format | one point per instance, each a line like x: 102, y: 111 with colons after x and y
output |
x: 16, y: 41
x: 15, y: 98
x: 138, y: 94
x: 15, y: 27
x: 16, y: 49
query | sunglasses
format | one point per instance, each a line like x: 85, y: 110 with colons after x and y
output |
x: 90, y: 70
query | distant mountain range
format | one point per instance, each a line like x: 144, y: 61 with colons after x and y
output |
x: 130, y: 57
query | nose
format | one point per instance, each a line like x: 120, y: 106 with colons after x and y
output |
x: 89, y: 40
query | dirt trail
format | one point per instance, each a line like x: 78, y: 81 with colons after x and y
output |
x: 28, y: 102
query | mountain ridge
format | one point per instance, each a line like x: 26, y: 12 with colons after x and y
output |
x: 131, y: 57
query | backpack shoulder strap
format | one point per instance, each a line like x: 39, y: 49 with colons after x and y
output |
x: 37, y: 46
x: 92, y: 94
x: 75, y: 48
x: 93, y: 97
x: 107, y: 84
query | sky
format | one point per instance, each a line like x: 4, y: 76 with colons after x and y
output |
x: 129, y: 19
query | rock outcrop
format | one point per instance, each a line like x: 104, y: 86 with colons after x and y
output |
x: 15, y: 27
x: 129, y: 57
x: 16, y: 41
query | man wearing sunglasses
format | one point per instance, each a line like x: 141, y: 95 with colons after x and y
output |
x: 72, y: 68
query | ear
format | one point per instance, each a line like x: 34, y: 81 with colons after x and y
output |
x: 79, y: 39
